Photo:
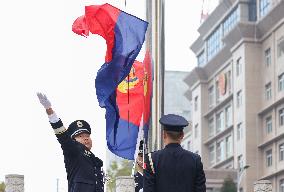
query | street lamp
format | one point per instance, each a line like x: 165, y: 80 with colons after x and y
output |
x: 240, y: 174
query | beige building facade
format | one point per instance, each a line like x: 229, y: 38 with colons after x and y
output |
x: 237, y: 91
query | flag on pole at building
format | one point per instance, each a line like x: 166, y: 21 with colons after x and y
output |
x: 148, y: 88
x: 134, y: 96
x: 130, y: 102
x: 124, y: 35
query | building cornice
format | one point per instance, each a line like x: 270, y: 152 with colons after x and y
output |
x: 221, y: 163
x: 218, y: 106
x: 271, y: 106
x: 270, y: 141
x: 218, y: 136
x: 268, y: 176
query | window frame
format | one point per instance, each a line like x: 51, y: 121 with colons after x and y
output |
x: 281, y: 117
x: 269, y: 160
x: 268, y: 91
x: 281, y: 152
x: 268, y: 124
x: 267, y: 56
x: 239, y: 99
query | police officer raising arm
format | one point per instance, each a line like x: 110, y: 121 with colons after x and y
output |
x: 173, y: 169
x: 84, y: 169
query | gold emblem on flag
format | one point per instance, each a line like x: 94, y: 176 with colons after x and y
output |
x: 129, y: 82
x: 145, y: 83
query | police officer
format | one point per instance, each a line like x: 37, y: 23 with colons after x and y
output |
x: 173, y: 169
x: 138, y: 176
x: 84, y: 169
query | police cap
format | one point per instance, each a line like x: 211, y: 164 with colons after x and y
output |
x: 172, y: 122
x: 79, y: 126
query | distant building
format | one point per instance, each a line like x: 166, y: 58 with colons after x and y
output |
x: 176, y: 101
x: 237, y: 90
x: 175, y: 89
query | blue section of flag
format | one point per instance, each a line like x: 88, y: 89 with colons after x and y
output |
x: 129, y: 37
x: 126, y: 138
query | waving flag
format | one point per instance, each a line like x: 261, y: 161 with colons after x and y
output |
x: 148, y: 87
x: 122, y: 141
x: 133, y: 98
x: 124, y: 35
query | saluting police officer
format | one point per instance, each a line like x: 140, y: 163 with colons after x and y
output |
x: 84, y: 169
x: 173, y: 169
x: 138, y: 176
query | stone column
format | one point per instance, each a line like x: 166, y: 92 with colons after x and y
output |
x: 125, y: 184
x: 263, y: 186
x: 14, y: 183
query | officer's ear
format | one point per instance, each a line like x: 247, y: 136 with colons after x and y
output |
x: 182, y: 135
x: 164, y: 134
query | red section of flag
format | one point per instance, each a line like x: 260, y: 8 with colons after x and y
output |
x: 100, y: 20
x: 148, y: 86
x: 129, y: 95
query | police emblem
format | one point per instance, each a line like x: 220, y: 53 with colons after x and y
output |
x: 129, y: 82
x: 79, y: 124
x: 87, y: 153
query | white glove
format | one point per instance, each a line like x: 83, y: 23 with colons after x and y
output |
x: 141, y: 190
x: 43, y: 100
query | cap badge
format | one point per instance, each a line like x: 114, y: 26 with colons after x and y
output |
x: 79, y: 124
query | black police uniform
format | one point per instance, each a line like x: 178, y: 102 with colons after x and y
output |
x: 138, y: 177
x: 173, y: 169
x: 84, y: 169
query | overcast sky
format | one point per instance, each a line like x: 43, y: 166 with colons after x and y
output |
x: 39, y: 52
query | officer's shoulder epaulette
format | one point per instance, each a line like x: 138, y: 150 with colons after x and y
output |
x: 99, y: 162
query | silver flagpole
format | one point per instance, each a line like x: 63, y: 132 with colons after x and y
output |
x: 155, y: 17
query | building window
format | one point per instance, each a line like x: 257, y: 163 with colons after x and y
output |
x: 201, y: 59
x: 281, y: 152
x: 220, y: 122
x: 269, y: 158
x: 267, y: 55
x: 211, y: 96
x: 228, y: 116
x: 217, y: 92
x: 268, y: 91
x: 211, y: 154
x: 264, y: 7
x: 214, y: 43
x: 239, y: 98
x: 281, y: 82
x: 196, y: 131
x: 196, y: 103
x: 238, y: 67
x: 281, y: 117
x: 188, y: 146
x: 239, y: 131
x: 229, y: 146
x: 268, y: 124
x: 230, y: 21
x: 228, y: 83
x: 280, y: 48
x: 240, y: 162
x: 211, y: 127
x: 281, y: 185
x: 220, y: 151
